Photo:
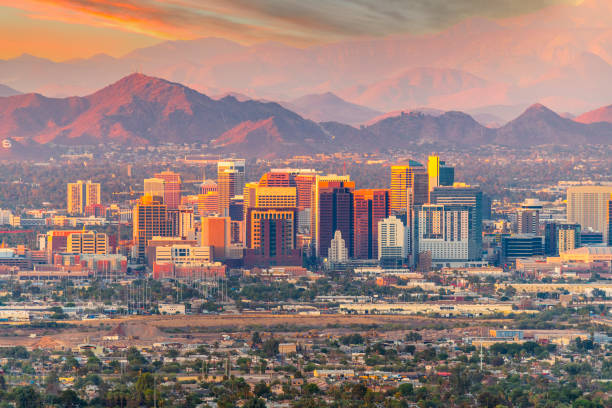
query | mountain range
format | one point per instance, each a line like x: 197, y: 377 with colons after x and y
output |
x: 141, y: 110
x: 560, y: 56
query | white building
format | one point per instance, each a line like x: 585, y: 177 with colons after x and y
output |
x: 444, y: 231
x: 393, y: 238
x: 337, y: 251
x: 183, y: 254
x: 171, y: 308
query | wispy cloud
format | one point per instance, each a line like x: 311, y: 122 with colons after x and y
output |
x: 292, y: 21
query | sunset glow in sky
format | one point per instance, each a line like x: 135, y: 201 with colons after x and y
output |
x: 65, y: 29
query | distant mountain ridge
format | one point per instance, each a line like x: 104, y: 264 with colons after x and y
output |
x: 140, y: 110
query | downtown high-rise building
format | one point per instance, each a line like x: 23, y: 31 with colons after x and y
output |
x: 87, y: 242
x: 238, y: 166
x: 470, y: 197
x: 446, y: 231
x: 370, y: 207
x: 172, y: 188
x: 80, y: 195
x: 409, y: 186
x: 150, y: 220
x: 393, y: 239
x: 226, y: 184
x: 332, y: 209
x: 589, y: 206
x: 439, y: 173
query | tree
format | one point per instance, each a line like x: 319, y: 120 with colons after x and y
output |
x: 270, y: 347
x: 26, y: 397
x: 70, y: 399
x: 261, y: 390
x: 52, y: 385
x: 256, y: 339
x: 255, y: 402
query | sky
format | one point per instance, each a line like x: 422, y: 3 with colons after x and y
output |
x: 66, y: 29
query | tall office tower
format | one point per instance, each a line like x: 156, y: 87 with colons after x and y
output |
x: 208, y: 203
x: 393, y: 239
x: 409, y: 186
x: 464, y: 196
x: 227, y: 187
x: 314, y: 201
x: 236, y: 208
x: 172, y: 188
x: 239, y: 179
x: 87, y: 242
x: 216, y: 233
x: 208, y: 186
x: 154, y: 187
x: 445, y: 231
x: 370, y: 207
x: 180, y: 223
x: 287, y: 218
x: 439, y: 173
x: 338, y: 252
x: 588, y: 206
x: 150, y: 220
x: 249, y: 196
x: 82, y: 194
x: 528, y: 217
x: 333, y: 211
x: 302, y: 179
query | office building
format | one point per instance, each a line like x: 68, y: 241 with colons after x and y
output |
x: 521, y: 246
x: 226, y: 183
x: 87, y: 242
x: 150, y: 220
x: 80, y: 195
x: 208, y: 186
x: 393, y: 239
x: 464, y: 196
x: 154, y: 187
x: 528, y: 217
x: 561, y: 237
x: 332, y: 210
x: 180, y: 223
x: 208, y: 203
x: 238, y: 167
x: 370, y: 207
x: 446, y: 232
x: 301, y: 179
x: 172, y: 188
x: 271, y: 237
x: 409, y: 186
x: 589, y: 206
x: 338, y: 252
x: 216, y: 233
x: 275, y: 197
x: 588, y: 238
x: 439, y: 173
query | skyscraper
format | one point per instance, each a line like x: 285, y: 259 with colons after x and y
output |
x: 154, y: 187
x: 216, y: 233
x: 589, y: 206
x: 226, y: 183
x: 82, y: 194
x: 528, y: 217
x: 409, y: 186
x: 332, y: 210
x: 238, y: 165
x: 464, y: 196
x: 445, y: 230
x: 172, y: 188
x: 180, y: 223
x: 393, y: 239
x: 150, y: 220
x: 439, y: 173
x: 370, y: 207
